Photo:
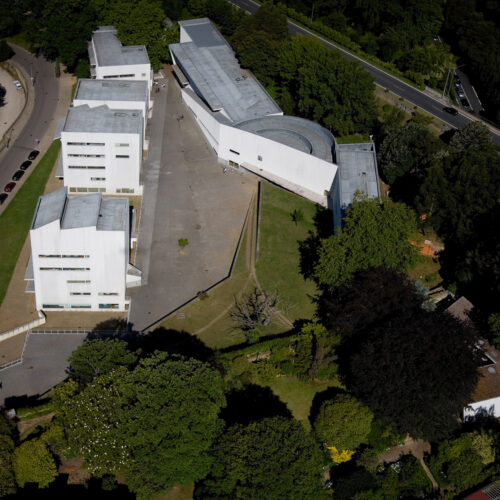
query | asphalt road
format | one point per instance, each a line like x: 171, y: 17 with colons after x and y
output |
x: 46, y: 87
x: 382, y: 78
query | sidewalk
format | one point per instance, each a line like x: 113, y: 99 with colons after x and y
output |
x: 13, y: 102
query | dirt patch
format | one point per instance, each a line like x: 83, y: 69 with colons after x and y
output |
x: 74, y: 468
x: 26, y: 425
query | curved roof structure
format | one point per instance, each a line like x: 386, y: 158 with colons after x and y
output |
x: 297, y: 133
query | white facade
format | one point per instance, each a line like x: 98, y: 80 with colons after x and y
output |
x: 109, y: 59
x: 101, y: 150
x: 489, y: 407
x: 80, y: 252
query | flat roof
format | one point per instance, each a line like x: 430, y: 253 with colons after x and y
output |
x: 297, y: 133
x: 86, y: 210
x: 111, y: 90
x: 210, y: 65
x: 357, y: 171
x: 110, y: 52
x: 101, y: 119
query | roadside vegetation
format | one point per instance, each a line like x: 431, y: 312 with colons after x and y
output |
x: 16, y: 218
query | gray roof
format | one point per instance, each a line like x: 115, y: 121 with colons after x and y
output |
x: 111, y: 90
x: 211, y: 67
x: 50, y: 207
x: 102, y: 119
x: 110, y: 52
x: 358, y: 171
x: 106, y: 214
x: 298, y: 133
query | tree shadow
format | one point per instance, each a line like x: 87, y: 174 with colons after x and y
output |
x: 113, y: 328
x: 309, y: 248
x: 320, y: 398
x: 96, y: 488
x: 173, y: 342
x: 252, y: 403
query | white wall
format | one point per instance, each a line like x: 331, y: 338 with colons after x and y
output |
x: 107, y: 261
x: 125, y: 72
x: 119, y: 173
x: 489, y: 406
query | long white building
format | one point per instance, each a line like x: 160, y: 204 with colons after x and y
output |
x: 101, y: 150
x: 247, y: 129
x: 109, y: 59
x: 80, y: 253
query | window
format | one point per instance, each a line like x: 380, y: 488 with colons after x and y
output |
x: 259, y: 158
x: 65, y: 269
x: 79, y: 293
x: 93, y: 190
x: 143, y: 74
x: 98, y: 178
x: 78, y: 281
x: 52, y: 306
x: 48, y: 256
x: 96, y: 167
x: 122, y: 156
x: 85, y: 143
x: 64, y: 256
x: 122, y: 145
x: 119, y: 76
x: 108, y: 306
x: 80, y: 306
x: 84, y: 156
x: 233, y: 151
x: 108, y: 293
x: 81, y: 190
x: 125, y: 190
x: 72, y: 190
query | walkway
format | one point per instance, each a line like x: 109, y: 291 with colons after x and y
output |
x: 186, y: 195
x: 13, y: 102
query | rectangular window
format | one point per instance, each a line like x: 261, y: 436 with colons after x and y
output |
x: 102, y: 190
x: 85, y: 143
x: 108, y: 293
x: 108, y: 306
x: 43, y: 256
x: 80, y: 293
x: 233, y: 151
x: 93, y: 190
x: 259, y: 158
x: 122, y: 156
x: 119, y: 76
x: 85, y: 156
x: 72, y: 190
x: 63, y: 256
x: 65, y: 269
x: 81, y: 190
x: 79, y: 306
x: 98, y: 178
x: 52, y: 306
x: 78, y: 281
x: 96, y: 167
x: 125, y: 190
x: 122, y: 145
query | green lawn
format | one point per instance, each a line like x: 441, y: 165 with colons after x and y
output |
x: 278, y: 262
x: 15, y: 221
x: 20, y: 39
x: 298, y: 395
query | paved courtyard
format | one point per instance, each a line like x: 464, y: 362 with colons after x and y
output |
x: 186, y: 195
x: 44, y: 365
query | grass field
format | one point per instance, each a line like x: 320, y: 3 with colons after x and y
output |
x: 279, y: 258
x: 20, y: 39
x: 16, y: 219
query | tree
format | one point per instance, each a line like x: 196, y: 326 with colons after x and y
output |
x: 375, y: 233
x: 259, y: 308
x: 99, y: 357
x: 169, y: 419
x: 33, y: 463
x: 323, y: 86
x: 471, y: 135
x: 416, y: 374
x: 466, y: 470
x: 5, y: 51
x: 407, y: 150
x: 343, y: 422
x: 7, y: 477
x: 272, y: 458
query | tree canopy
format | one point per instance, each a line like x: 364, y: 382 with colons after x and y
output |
x: 321, y: 85
x: 33, y: 463
x: 98, y: 357
x: 272, y: 458
x: 343, y: 422
x: 375, y: 233
x: 7, y: 477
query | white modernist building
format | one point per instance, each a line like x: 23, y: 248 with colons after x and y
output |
x: 80, y: 253
x: 247, y: 129
x: 101, y: 149
x: 109, y: 59
x: 132, y: 95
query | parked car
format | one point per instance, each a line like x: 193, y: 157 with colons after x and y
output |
x: 25, y: 165
x: 461, y: 93
x: 465, y: 103
x: 18, y: 175
x: 458, y: 83
x: 9, y: 187
x: 450, y: 110
x: 33, y: 154
x: 3, y: 197
x: 17, y: 84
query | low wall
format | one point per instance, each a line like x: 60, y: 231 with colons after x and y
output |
x: 24, y: 328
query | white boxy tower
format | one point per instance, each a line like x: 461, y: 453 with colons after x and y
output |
x: 80, y: 253
x: 109, y: 59
x: 101, y: 150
